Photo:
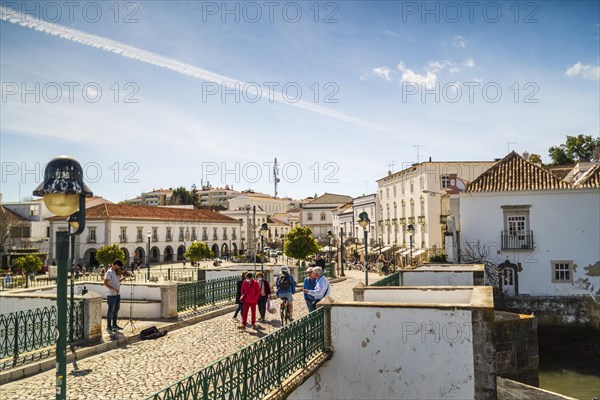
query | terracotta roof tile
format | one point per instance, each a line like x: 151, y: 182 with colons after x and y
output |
x: 514, y: 173
x: 109, y: 210
x: 591, y: 178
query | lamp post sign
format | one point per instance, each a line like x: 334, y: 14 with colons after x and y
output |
x: 64, y: 194
x: 364, y: 222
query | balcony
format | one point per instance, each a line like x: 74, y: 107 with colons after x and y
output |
x: 411, y: 220
x: 233, y: 236
x: 402, y: 221
x: 215, y: 237
x: 155, y: 238
x: 395, y: 221
x: 123, y: 238
x: 169, y: 238
x: 204, y: 238
x: 181, y: 238
x: 225, y: 237
x: 387, y: 221
x: 91, y: 239
x: 517, y: 241
x: 380, y: 222
x: 139, y: 238
x: 421, y: 219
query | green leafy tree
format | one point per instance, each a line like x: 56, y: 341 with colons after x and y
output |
x: 198, y: 251
x: 182, y: 196
x: 28, y: 263
x: 535, y: 158
x: 575, y: 148
x: 108, y: 254
x: 299, y: 243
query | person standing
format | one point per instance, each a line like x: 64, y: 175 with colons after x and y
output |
x: 309, y: 284
x: 321, y: 289
x: 286, y: 286
x: 250, y: 295
x: 112, y: 281
x: 265, y: 293
x: 238, y: 294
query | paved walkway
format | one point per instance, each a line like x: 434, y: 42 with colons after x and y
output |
x: 142, y: 368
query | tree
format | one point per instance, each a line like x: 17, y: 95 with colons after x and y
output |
x: 29, y: 263
x: 535, y: 158
x: 182, y: 196
x: 108, y: 254
x: 198, y: 251
x: 575, y: 148
x: 478, y: 253
x: 299, y: 243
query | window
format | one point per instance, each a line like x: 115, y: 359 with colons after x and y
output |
x: 395, y: 191
x: 387, y: 209
x: 412, y: 186
x: 422, y: 182
x: 322, y: 216
x: 181, y: 234
x: 412, y: 208
x: 403, y: 209
x: 387, y: 193
x: 215, y: 235
x: 139, y: 236
x: 562, y: 271
x: 517, y: 234
x: 445, y: 181
x: 155, y: 234
x: 422, y: 201
x: 224, y: 233
x: 204, y: 233
x: 123, y: 235
x: 169, y: 235
x: 233, y: 234
x: 194, y: 234
x: 395, y: 210
x: 516, y: 226
x: 91, y: 235
x: 403, y: 188
x: 309, y: 216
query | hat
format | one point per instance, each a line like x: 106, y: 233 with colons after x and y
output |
x: 285, y: 270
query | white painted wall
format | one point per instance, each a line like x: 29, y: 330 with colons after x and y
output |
x: 565, y: 225
x: 418, y: 296
x: 436, y: 278
x: 396, y: 353
x: 11, y: 304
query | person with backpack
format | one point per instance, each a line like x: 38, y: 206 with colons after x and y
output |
x: 321, y: 289
x: 238, y: 294
x: 250, y: 296
x: 309, y: 283
x: 286, y: 286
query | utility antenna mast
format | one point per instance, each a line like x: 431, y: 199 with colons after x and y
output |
x: 418, y: 147
x: 275, y: 175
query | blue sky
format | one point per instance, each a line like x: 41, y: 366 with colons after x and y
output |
x: 362, y: 68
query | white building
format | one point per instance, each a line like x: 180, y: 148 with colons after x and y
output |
x: 318, y: 214
x: 270, y: 205
x: 215, y: 197
x: 413, y: 196
x: 369, y: 205
x: 171, y: 231
x: 546, y: 228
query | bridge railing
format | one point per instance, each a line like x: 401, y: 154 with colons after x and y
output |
x: 257, y: 369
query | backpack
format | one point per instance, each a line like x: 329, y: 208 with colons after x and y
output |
x: 284, y: 283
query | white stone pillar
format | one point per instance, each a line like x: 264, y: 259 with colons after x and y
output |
x: 92, y: 316
x: 168, y: 300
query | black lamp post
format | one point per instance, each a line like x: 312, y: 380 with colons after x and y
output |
x: 364, y: 223
x: 64, y: 194
x: 329, y: 236
x: 411, y: 231
x: 148, y: 236
x: 342, y: 251
x: 264, y: 228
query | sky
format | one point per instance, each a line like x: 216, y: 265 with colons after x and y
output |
x: 159, y: 94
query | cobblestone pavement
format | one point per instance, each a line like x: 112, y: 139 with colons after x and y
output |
x: 140, y: 369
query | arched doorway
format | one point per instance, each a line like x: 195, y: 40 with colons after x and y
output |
x: 180, y: 253
x: 127, y: 260
x: 225, y: 250
x: 89, y: 258
x: 139, y: 255
x: 168, y: 254
x: 215, y: 249
x: 154, y: 254
x: 234, y: 249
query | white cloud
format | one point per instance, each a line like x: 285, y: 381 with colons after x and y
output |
x: 459, y: 41
x: 408, y: 75
x: 391, y: 33
x: 586, y: 71
x: 469, y: 63
x: 383, y: 72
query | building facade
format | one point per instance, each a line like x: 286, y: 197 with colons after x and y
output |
x: 169, y: 230
x: 414, y: 196
x: 542, y: 232
x: 318, y: 214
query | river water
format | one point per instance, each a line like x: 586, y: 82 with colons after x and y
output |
x: 571, y: 368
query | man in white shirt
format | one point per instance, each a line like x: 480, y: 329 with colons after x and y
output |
x: 321, y: 286
x: 112, y: 281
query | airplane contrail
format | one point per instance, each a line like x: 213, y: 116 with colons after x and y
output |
x: 113, y: 46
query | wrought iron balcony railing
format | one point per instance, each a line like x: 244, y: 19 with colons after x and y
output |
x: 517, y: 241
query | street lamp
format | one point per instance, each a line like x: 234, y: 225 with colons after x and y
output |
x: 411, y: 231
x: 364, y: 223
x: 342, y: 251
x: 329, y: 236
x: 149, y: 236
x: 264, y: 228
x: 64, y: 194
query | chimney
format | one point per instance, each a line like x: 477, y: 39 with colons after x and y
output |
x: 429, y: 158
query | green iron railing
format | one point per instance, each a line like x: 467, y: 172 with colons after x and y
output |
x: 257, y: 369
x: 25, y: 331
x: 203, y: 293
x: 390, y: 280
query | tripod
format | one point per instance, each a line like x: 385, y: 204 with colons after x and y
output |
x: 131, y: 322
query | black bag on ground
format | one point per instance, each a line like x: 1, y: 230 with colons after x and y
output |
x: 152, y: 333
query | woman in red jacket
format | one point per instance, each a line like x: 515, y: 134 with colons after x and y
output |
x: 250, y: 296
